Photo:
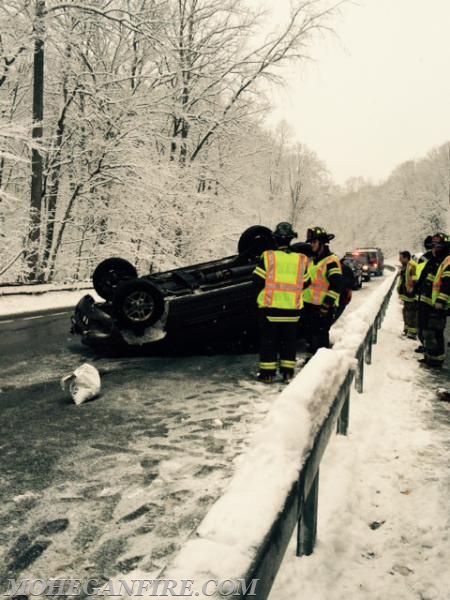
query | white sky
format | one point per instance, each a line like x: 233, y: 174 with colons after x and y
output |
x: 378, y: 96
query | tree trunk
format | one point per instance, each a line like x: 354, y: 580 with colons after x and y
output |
x: 55, y: 171
x: 34, y: 231
x: 54, y: 252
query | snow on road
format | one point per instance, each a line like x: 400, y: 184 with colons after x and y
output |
x: 27, y: 298
x: 120, y: 483
x: 127, y: 480
x: 384, y: 519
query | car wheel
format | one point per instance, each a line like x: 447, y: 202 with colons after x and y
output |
x: 255, y: 240
x: 138, y: 304
x: 109, y: 274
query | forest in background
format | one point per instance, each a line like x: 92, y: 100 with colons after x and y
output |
x: 153, y: 144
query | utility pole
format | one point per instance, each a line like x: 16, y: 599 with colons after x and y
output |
x: 34, y: 232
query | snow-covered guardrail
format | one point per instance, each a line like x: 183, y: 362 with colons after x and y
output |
x: 357, y: 331
x: 245, y: 534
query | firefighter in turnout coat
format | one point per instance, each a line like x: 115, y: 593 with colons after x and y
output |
x: 405, y: 289
x: 322, y: 296
x: 433, y: 291
x: 279, y: 277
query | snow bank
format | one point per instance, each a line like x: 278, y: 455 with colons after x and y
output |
x: 33, y: 298
x: 226, y: 541
x: 228, y: 537
x: 384, y: 520
x: 350, y: 330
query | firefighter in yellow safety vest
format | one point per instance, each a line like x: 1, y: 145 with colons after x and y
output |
x: 405, y: 289
x: 433, y: 291
x: 279, y: 277
x: 421, y: 264
x: 322, y: 296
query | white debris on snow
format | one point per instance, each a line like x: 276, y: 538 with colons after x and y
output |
x: 83, y: 383
x: 391, y: 473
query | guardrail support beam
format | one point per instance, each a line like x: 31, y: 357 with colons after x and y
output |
x: 307, y: 524
x: 359, y: 379
x: 368, y: 349
x: 376, y: 326
x: 342, y: 422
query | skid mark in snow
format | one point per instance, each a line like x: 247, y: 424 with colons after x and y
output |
x: 121, y: 482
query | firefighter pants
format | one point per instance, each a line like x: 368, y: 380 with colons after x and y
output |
x: 278, y: 338
x: 432, y: 326
x: 316, y: 327
x: 410, y: 319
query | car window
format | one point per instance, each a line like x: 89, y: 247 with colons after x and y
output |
x: 361, y: 257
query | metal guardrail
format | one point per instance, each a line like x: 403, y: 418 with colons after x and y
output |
x: 301, y: 504
x: 364, y: 352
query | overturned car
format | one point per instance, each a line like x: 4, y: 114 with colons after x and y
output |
x: 180, y: 309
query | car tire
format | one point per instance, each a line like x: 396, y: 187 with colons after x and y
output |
x: 109, y: 274
x: 255, y: 240
x: 137, y: 304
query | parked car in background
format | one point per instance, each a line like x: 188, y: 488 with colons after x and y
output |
x: 357, y: 270
x: 363, y: 260
x: 376, y: 260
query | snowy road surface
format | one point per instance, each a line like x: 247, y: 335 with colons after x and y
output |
x: 121, y: 482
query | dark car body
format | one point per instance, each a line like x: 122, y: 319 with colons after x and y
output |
x: 357, y: 271
x: 177, y: 309
x: 363, y: 260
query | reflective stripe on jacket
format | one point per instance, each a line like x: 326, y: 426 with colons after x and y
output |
x: 419, y: 268
x: 285, y: 274
x: 441, y: 283
x: 319, y: 289
x: 405, y: 286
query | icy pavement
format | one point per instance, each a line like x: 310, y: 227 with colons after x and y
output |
x: 119, y: 483
x: 384, y: 518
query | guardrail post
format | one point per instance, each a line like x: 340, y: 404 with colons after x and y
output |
x: 368, y: 347
x: 359, y: 379
x: 375, y: 328
x: 307, y: 524
x: 342, y: 422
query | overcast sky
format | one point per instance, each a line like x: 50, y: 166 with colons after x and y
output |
x: 380, y: 95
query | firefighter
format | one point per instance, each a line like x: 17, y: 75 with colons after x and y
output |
x: 420, y: 265
x: 432, y: 291
x: 405, y: 289
x: 441, y: 289
x: 322, y: 296
x: 279, y: 277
